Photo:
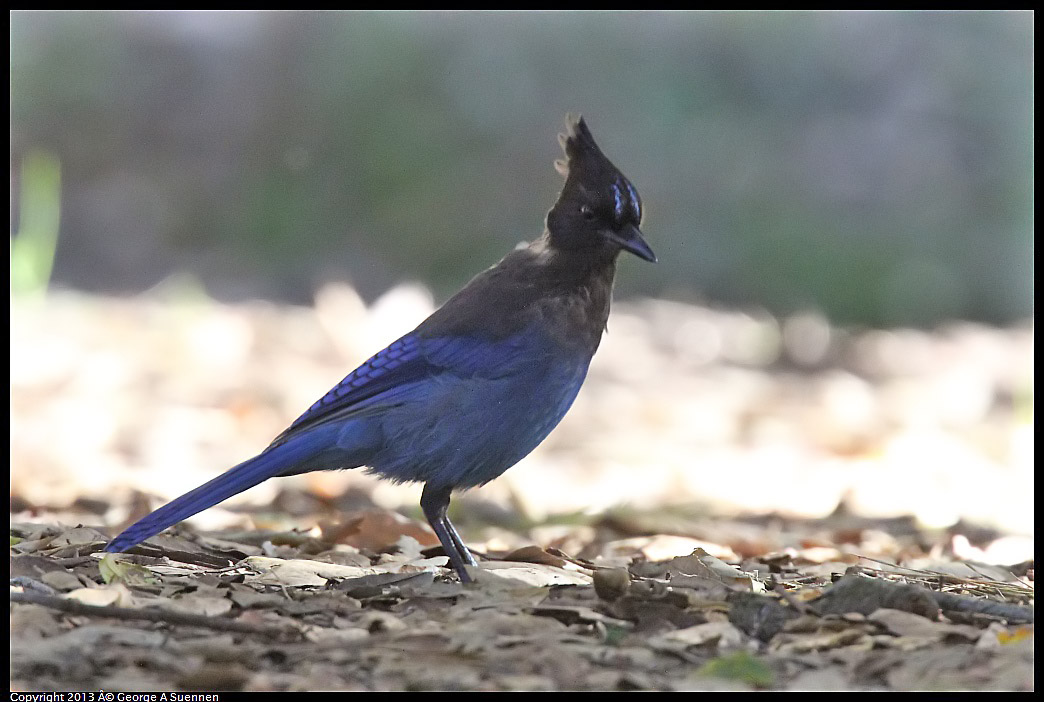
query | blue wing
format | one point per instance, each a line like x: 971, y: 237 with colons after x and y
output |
x: 400, y: 363
x: 394, y: 373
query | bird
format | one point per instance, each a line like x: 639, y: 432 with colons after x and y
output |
x: 481, y: 382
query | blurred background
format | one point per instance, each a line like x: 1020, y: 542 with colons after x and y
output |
x: 214, y: 213
x: 876, y: 167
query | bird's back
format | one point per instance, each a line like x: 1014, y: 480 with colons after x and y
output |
x: 566, y: 296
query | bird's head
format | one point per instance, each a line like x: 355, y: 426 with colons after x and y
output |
x: 598, y: 208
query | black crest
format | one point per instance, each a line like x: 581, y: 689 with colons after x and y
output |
x: 598, y: 205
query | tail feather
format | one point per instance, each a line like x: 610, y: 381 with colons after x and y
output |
x: 234, y: 481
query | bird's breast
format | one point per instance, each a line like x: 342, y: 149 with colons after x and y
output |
x: 575, y: 322
x: 466, y: 431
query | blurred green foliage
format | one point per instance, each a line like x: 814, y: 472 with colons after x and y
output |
x: 874, y: 166
x: 33, y: 245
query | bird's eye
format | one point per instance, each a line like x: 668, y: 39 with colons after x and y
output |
x: 586, y: 212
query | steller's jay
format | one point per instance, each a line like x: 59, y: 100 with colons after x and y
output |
x: 478, y: 384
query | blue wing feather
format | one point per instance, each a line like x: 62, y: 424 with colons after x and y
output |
x: 392, y: 373
x: 401, y: 362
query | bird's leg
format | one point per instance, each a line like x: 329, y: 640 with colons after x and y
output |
x: 434, y: 503
x: 443, y: 517
x: 458, y: 542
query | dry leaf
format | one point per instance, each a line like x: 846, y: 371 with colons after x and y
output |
x: 116, y: 595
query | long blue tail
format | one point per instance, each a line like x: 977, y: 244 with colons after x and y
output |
x: 277, y: 461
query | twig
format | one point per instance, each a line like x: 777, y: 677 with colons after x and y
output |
x: 1020, y: 589
x: 855, y: 593
x: 151, y: 615
x: 972, y: 605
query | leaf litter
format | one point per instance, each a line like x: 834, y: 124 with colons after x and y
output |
x: 534, y: 619
x: 642, y: 597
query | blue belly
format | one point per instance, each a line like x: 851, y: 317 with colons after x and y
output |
x: 466, y: 433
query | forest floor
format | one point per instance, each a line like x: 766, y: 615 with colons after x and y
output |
x: 735, y: 502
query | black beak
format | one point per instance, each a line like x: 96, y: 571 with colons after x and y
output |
x: 629, y: 238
